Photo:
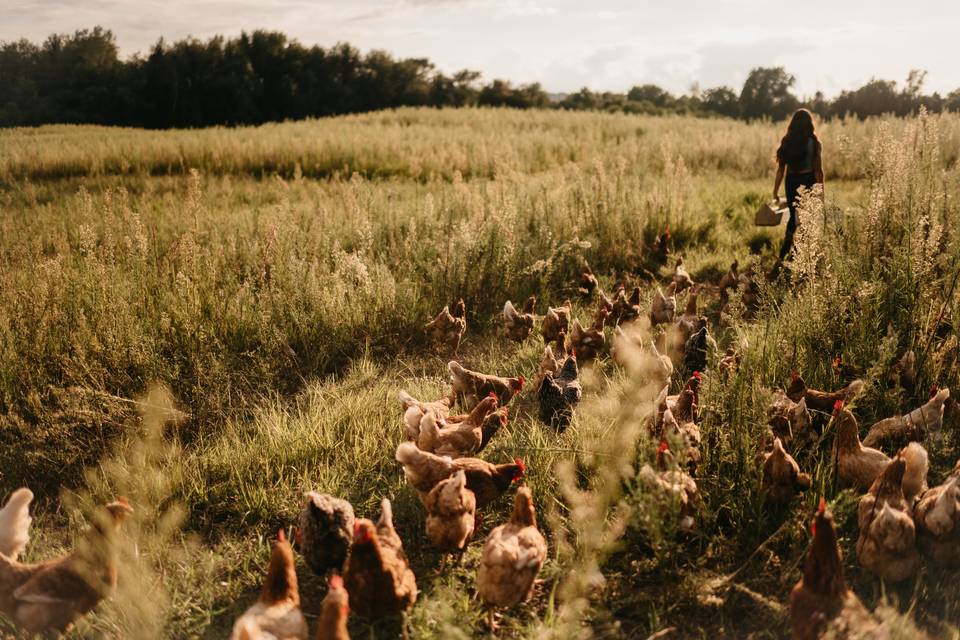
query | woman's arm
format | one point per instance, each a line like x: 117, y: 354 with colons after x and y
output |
x: 778, y: 180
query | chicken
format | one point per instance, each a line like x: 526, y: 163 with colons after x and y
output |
x: 690, y: 316
x: 378, y: 576
x: 685, y: 431
x: 555, y: 322
x: 334, y: 611
x: 15, y: 523
x: 414, y: 410
x: 457, y: 439
x: 680, y: 276
x: 46, y: 598
x: 821, y: 605
x: 660, y: 248
x: 548, y: 365
x: 729, y: 362
x: 790, y: 420
x: 325, y: 532
x: 913, y: 426
x: 821, y: 400
x: 781, y: 476
x: 729, y: 280
x: 664, y: 306
x: 587, y: 343
x: 631, y: 349
x: 937, y: 517
x: 857, y: 465
x: 513, y: 555
x: 516, y: 325
x: 276, y: 614
x: 471, y: 387
x: 588, y: 284
x: 559, y: 394
x: 451, y: 512
x: 887, y: 543
x: 447, y: 329
x: 626, y: 309
x: 673, y: 487
x: 494, y: 421
x: 487, y: 481
x: 904, y: 372
x: 698, y: 348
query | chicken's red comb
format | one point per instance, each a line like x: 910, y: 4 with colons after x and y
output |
x: 492, y: 394
x: 519, y: 462
x: 522, y: 380
x: 336, y: 582
x: 281, y: 536
x: 838, y: 405
x: 793, y: 376
x: 573, y: 353
x: 696, y: 374
x: 663, y: 447
x: 934, y: 390
x: 822, y: 506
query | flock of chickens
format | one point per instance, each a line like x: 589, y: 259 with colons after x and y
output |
x: 370, y: 575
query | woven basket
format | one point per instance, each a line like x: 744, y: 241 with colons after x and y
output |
x: 771, y: 213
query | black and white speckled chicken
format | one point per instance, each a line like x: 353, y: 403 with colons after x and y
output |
x: 697, y: 348
x: 326, y: 531
x: 560, y: 393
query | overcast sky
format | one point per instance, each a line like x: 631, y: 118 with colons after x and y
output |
x: 565, y: 44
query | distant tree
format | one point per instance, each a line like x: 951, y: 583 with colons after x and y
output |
x: 875, y: 98
x: 766, y: 93
x: 456, y: 91
x: 501, y: 93
x: 722, y: 101
x: 952, y: 101
x: 653, y: 94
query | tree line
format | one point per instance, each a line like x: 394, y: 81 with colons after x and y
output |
x: 264, y: 76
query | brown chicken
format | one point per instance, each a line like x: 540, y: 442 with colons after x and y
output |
x: 680, y: 276
x: 937, y: 517
x: 513, y: 555
x: 47, y: 598
x: 782, y: 478
x: 821, y: 400
x: 790, y: 420
x: 518, y: 325
x: 821, y: 605
x: 488, y: 481
x: 555, y: 322
x: 15, y: 523
x: 548, y: 365
x: 471, y: 387
x: 588, y: 284
x: 334, y: 611
x: 664, y: 306
x: 276, y: 614
x: 673, y: 488
x: 451, y: 512
x: 728, y: 281
x: 587, y: 343
x: 887, y: 543
x: 378, y: 576
x: 414, y: 410
x: 492, y: 425
x: 913, y: 426
x: 903, y: 373
x: 456, y: 439
x: 325, y: 532
x: 446, y: 329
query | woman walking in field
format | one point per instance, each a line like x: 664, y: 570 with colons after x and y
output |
x: 798, y: 158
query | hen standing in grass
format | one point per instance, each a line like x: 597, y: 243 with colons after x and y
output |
x: 378, y: 575
x: 821, y: 400
x: 913, y: 426
x: 821, y: 605
x: 556, y: 322
x: 325, y: 532
x: 887, y: 543
x: 414, y: 410
x: 513, y: 555
x: 781, y: 475
x: 471, y: 387
x: 15, y: 523
x: 451, y: 513
x: 447, y: 329
x: 276, y: 615
x: 560, y: 393
x: 664, y: 305
x: 456, y: 439
x: 587, y: 343
x: 487, y: 481
x: 937, y: 516
x: 334, y: 611
x: 516, y: 325
x: 46, y: 598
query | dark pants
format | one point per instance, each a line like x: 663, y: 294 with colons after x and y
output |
x: 793, y: 183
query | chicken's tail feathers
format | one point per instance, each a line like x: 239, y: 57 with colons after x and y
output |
x: 509, y: 311
x: 15, y: 523
x: 853, y: 389
x: 917, y: 464
x: 245, y: 629
x: 455, y: 368
x: 406, y: 399
x: 407, y: 453
x: 386, y: 513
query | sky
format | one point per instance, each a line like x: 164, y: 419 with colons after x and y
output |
x: 565, y: 44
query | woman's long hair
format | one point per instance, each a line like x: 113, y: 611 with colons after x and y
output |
x: 793, y: 146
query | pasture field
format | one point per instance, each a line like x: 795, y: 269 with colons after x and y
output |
x: 275, y: 280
